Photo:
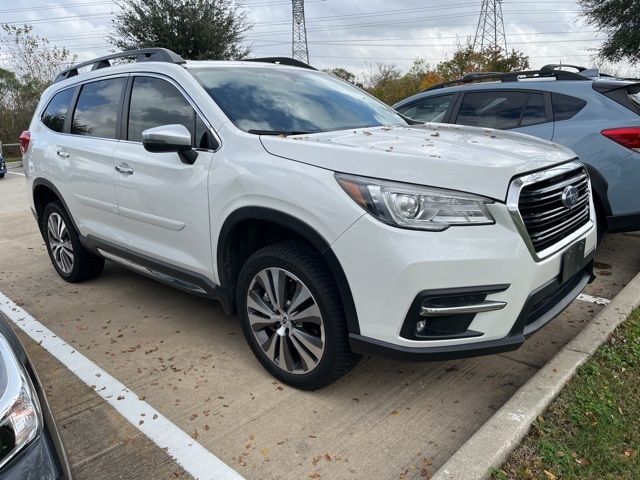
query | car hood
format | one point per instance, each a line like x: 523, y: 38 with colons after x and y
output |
x: 470, y: 159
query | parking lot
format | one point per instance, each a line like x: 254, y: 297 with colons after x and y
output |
x: 184, y: 357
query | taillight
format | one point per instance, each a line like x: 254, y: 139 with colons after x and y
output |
x: 25, y: 138
x: 627, y: 136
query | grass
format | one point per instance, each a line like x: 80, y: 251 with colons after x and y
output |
x: 592, y: 430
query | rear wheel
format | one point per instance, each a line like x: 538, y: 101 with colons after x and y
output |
x: 292, y: 316
x: 72, y: 261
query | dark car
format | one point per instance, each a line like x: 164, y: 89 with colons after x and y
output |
x: 30, y: 446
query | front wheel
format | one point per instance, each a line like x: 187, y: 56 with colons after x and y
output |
x: 292, y: 316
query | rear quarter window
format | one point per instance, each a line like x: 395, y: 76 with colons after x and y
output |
x: 634, y: 94
x: 55, y: 114
x: 566, y: 106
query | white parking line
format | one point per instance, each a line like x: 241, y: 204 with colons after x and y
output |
x: 189, y: 454
x: 597, y: 300
x: 16, y: 173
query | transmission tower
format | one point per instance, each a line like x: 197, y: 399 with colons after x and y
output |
x: 490, y: 31
x: 299, y: 47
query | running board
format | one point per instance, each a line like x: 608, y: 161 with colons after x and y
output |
x: 156, y: 275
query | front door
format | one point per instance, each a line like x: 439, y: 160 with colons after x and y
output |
x: 163, y: 202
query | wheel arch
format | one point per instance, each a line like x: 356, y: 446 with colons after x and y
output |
x: 44, y: 192
x: 231, y: 252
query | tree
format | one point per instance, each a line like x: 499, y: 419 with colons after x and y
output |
x: 389, y: 84
x: 466, y: 60
x: 194, y: 29
x: 33, y: 64
x: 343, y: 74
x: 33, y: 59
x: 620, y: 20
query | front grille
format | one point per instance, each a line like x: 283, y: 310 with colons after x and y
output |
x: 547, y: 219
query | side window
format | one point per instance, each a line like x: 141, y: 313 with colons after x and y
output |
x: 55, y: 114
x: 565, y: 107
x: 155, y: 102
x: 96, y: 112
x: 534, y: 112
x: 431, y: 109
x: 493, y: 109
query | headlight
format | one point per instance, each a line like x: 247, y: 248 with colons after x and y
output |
x: 416, y: 207
x: 19, y: 408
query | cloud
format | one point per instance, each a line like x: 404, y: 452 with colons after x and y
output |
x: 350, y: 34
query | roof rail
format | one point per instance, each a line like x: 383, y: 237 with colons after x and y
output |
x: 510, y: 77
x: 291, y: 62
x: 141, y: 55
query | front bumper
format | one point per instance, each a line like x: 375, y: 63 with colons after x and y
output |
x: 541, y: 307
x: 388, y: 268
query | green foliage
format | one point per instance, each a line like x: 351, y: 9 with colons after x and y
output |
x: 465, y: 60
x: 620, y: 20
x: 34, y: 64
x: 591, y: 431
x: 344, y: 74
x: 388, y: 83
x: 194, y: 29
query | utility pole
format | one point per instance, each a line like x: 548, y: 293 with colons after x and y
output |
x: 490, y: 31
x: 299, y: 47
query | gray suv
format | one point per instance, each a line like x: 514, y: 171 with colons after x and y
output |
x: 596, y: 115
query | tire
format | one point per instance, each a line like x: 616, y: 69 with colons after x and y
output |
x: 1, y: 175
x: 72, y: 261
x: 316, y: 351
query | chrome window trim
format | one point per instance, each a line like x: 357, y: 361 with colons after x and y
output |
x: 16, y: 378
x: 513, y: 199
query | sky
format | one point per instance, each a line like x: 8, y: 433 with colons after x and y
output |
x: 353, y: 34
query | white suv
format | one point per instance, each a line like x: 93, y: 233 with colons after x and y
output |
x: 327, y: 221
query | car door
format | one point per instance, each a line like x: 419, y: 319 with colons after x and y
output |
x: 163, y: 202
x: 87, y: 149
x: 521, y: 111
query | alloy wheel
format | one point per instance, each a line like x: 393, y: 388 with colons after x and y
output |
x: 285, y: 320
x: 60, y: 243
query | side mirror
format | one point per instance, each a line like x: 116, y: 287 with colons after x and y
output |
x: 170, y: 138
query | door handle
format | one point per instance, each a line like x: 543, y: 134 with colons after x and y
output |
x: 62, y: 153
x: 124, y: 169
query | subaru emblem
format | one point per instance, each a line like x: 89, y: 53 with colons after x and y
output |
x: 570, y: 196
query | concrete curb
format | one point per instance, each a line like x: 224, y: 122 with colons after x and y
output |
x: 490, y: 446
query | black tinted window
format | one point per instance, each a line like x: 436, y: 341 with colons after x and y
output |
x: 492, y: 109
x: 565, y: 107
x: 97, y: 109
x: 155, y: 102
x: 534, y: 112
x: 55, y: 114
x: 432, y: 109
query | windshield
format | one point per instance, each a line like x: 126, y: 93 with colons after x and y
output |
x: 288, y: 101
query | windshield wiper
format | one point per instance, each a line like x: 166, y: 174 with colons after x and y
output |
x: 278, y: 132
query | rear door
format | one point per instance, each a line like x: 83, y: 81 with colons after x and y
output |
x: 163, y: 202
x: 87, y: 150
x: 521, y: 111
